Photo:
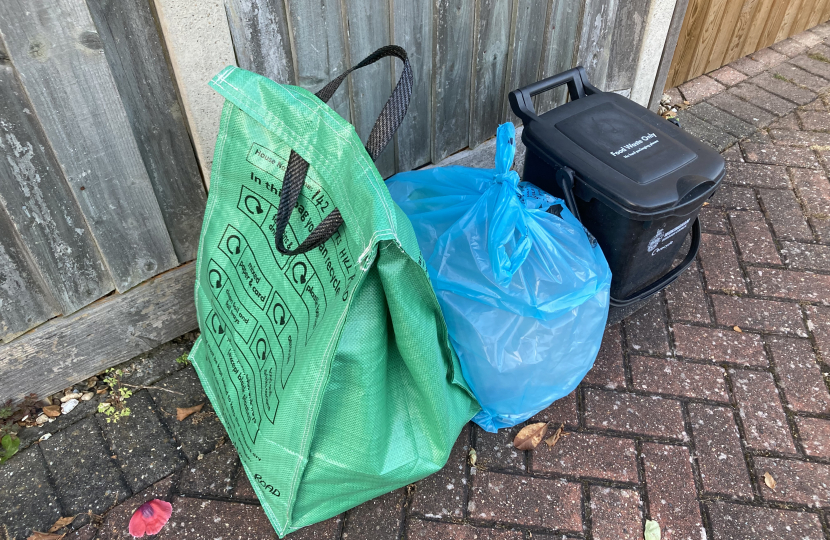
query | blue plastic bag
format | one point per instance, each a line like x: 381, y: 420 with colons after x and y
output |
x: 524, y: 293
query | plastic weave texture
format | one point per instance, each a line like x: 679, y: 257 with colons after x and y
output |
x: 332, y: 369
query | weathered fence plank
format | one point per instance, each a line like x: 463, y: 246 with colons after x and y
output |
x: 626, y: 40
x: 790, y: 15
x: 595, y: 41
x: 687, y: 42
x: 261, y: 39
x: 41, y: 205
x: 526, y: 51
x: 136, y: 59
x: 726, y: 27
x: 560, y: 51
x: 773, y: 23
x: 24, y: 300
x: 199, y: 44
x: 113, y: 330
x: 319, y: 48
x: 452, y: 61
x: 707, y: 36
x: 491, y: 37
x: 663, y: 69
x: 412, y: 30
x: 368, y: 23
x: 756, y: 27
x: 59, y: 57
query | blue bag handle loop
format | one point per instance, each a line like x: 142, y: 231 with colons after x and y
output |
x: 509, y: 214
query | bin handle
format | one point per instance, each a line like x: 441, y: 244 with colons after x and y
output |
x: 578, y: 87
x: 565, y: 181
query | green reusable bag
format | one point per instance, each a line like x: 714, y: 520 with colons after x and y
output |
x: 323, y: 348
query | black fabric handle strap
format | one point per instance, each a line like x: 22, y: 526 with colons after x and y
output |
x: 388, y: 121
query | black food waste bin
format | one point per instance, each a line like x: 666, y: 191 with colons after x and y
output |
x: 635, y: 180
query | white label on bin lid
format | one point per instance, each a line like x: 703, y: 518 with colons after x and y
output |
x: 654, y: 245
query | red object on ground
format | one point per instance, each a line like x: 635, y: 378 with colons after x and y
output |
x: 150, y: 517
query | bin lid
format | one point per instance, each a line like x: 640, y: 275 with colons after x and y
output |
x: 624, y: 154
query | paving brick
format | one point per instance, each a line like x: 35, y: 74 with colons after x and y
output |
x: 748, y: 66
x: 784, y: 212
x: 243, y: 490
x: 27, y: 501
x: 738, y: 522
x: 796, y: 482
x: 713, y: 220
x: 801, y: 77
x: 761, y: 411
x: 718, y: 451
x: 443, y: 494
x: 86, y: 532
x: 678, y: 378
x: 806, y: 256
x: 754, y: 238
x: 799, y: 375
x: 720, y: 264
x: 773, y: 154
x: 789, y: 47
x: 496, y: 450
x: 728, y: 75
x: 646, y: 329
x: 703, y: 130
x: 430, y: 530
x: 632, y: 413
x: 323, y: 530
x: 815, y: 120
x: 378, y: 519
x: 807, y: 38
x: 561, y: 411
x: 155, y: 364
x: 213, y: 475
x: 117, y: 520
x: 800, y: 138
x: 608, y: 370
x: 814, y: 189
x: 700, y: 88
x: 536, y: 502
x: 616, y: 514
x: 202, y: 519
x: 587, y: 455
x: 821, y: 30
x: 789, y: 122
x: 744, y: 110
x: 732, y: 197
x: 760, y: 137
x: 789, y: 284
x: 811, y: 65
x: 819, y: 324
x: 821, y: 226
x: 199, y: 433
x: 753, y: 174
x: 759, y: 314
x: 85, y: 476
x: 733, y: 154
x: 761, y: 97
x: 814, y: 434
x: 144, y: 448
x: 769, y: 57
x: 723, y: 120
x: 671, y: 493
x: 782, y: 88
x: 686, y: 299
x: 719, y: 345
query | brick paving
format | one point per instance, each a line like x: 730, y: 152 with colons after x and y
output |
x: 720, y: 379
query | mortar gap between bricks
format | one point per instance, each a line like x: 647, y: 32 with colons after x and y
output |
x: 789, y: 412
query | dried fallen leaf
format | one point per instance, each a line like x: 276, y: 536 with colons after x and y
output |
x: 61, y: 523
x: 737, y: 329
x: 769, y: 481
x: 52, y: 411
x: 44, y: 536
x: 473, y: 457
x: 530, y: 436
x: 182, y: 413
x: 553, y: 439
x: 652, y: 531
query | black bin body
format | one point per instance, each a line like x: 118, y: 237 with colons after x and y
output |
x: 636, y: 181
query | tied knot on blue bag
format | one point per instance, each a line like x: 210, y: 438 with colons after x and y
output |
x: 509, y: 215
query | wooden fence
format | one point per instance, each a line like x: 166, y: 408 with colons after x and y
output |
x: 107, y: 128
x: 716, y: 32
